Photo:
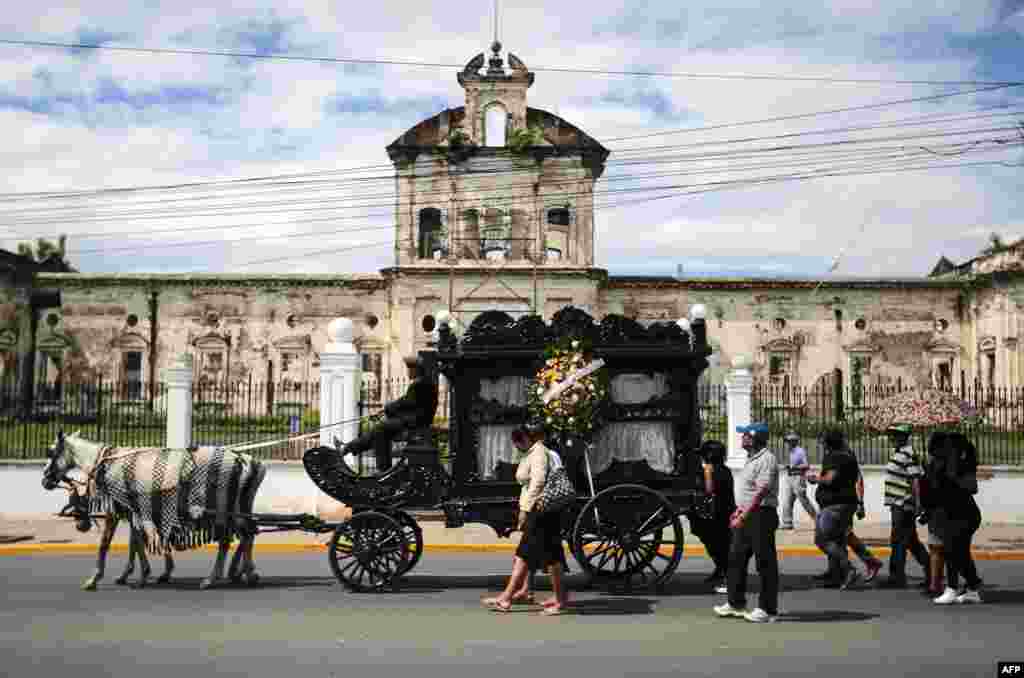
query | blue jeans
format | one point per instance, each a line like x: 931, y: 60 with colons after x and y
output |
x: 830, y: 532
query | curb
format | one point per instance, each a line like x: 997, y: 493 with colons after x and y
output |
x: 796, y: 551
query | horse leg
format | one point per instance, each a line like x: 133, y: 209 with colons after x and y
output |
x: 130, y: 567
x: 218, y: 565
x: 234, y: 574
x: 168, y: 568
x: 248, y: 568
x: 109, y: 525
x: 139, y: 545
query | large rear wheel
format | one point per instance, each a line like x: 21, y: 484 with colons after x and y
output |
x: 414, y: 536
x: 628, y: 536
x: 369, y: 551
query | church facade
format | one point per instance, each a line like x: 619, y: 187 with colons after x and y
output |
x: 495, y: 210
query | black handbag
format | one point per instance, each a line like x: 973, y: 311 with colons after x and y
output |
x: 558, y: 491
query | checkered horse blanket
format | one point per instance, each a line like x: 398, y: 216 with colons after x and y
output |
x: 177, y: 498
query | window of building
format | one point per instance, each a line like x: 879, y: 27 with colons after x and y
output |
x: 132, y: 320
x: 860, y: 370
x: 495, y: 125
x: 780, y: 367
x: 944, y: 375
x: 429, y: 323
x: 432, y: 243
x: 779, y: 324
x: 494, y: 237
x: 559, y: 216
x: 132, y: 374
x: 839, y: 320
x: 211, y: 358
x: 372, y: 364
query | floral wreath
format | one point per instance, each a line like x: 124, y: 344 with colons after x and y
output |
x: 574, y: 410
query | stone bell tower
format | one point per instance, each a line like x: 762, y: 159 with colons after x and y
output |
x: 495, y: 98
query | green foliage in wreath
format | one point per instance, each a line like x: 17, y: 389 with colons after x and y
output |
x: 578, y: 409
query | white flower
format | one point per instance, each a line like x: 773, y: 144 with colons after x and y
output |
x: 550, y: 420
x: 572, y: 420
x: 575, y: 344
x: 540, y: 390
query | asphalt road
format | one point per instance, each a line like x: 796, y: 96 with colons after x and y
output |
x: 299, y: 622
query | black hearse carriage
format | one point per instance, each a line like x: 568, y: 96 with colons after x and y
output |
x: 634, y: 479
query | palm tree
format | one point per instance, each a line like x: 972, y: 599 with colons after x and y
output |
x: 997, y: 245
x: 45, y: 249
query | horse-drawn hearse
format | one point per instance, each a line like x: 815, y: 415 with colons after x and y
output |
x: 635, y: 471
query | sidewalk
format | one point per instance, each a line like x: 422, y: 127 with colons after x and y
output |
x: 47, y: 534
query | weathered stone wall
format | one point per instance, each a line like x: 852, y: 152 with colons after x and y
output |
x: 897, y: 328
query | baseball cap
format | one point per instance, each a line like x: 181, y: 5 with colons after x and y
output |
x: 791, y: 435
x: 757, y: 427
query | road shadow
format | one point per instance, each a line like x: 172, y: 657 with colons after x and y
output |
x: 998, y: 596
x: 192, y: 584
x: 694, y: 585
x: 825, y: 616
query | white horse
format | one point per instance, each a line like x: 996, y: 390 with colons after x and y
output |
x: 74, y: 452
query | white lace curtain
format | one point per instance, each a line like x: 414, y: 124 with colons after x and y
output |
x: 633, y: 441
x: 632, y: 389
x: 496, y: 439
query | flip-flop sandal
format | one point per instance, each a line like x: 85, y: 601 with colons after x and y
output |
x: 552, y: 611
x: 496, y: 605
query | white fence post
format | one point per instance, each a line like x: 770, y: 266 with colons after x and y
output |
x: 178, y: 379
x: 340, y: 382
x: 739, y: 384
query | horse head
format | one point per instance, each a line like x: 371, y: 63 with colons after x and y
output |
x: 62, y: 460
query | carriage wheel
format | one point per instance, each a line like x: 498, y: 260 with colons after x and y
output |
x: 414, y: 535
x: 369, y: 551
x: 628, y: 535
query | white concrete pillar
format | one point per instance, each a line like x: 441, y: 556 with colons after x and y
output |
x: 340, y: 384
x: 178, y: 380
x: 738, y: 383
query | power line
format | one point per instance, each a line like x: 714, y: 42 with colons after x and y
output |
x: 278, y: 56
x: 359, y: 202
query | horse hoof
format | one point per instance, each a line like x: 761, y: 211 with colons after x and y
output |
x: 252, y: 579
x: 89, y: 585
x: 205, y: 584
x: 163, y: 579
x: 122, y: 580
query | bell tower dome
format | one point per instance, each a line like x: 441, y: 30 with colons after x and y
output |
x: 495, y: 98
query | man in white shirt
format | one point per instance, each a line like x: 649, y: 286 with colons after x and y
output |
x: 796, y: 482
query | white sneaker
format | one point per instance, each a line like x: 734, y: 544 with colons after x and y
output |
x: 969, y: 596
x: 948, y: 597
x: 722, y: 589
x: 727, y: 610
x: 759, y: 616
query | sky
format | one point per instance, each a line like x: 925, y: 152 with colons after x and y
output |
x: 768, y: 174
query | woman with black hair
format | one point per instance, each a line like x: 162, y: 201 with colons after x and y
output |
x: 952, y: 483
x: 710, y: 522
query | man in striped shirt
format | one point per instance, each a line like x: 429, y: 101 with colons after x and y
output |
x: 901, y: 496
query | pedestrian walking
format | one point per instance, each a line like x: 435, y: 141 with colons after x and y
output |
x: 953, y: 480
x: 837, y: 503
x: 796, y: 482
x: 753, y: 529
x: 711, y: 525
x: 903, y: 474
x: 541, y: 543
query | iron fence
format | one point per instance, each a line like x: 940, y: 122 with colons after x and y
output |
x: 249, y: 411
x: 133, y: 413
x: 128, y: 413
x: 997, y: 429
